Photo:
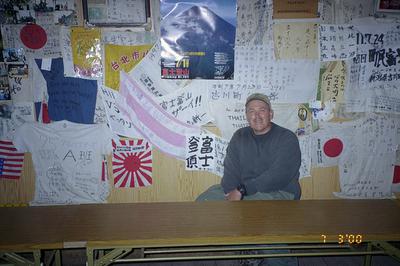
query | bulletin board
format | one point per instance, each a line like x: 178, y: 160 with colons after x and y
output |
x: 329, y: 73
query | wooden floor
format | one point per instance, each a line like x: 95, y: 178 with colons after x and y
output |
x: 77, y: 258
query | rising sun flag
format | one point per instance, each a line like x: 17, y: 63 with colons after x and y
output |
x: 132, y: 163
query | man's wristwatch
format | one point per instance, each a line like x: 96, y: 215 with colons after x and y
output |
x: 242, y: 190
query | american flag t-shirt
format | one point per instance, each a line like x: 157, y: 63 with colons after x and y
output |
x: 11, y: 161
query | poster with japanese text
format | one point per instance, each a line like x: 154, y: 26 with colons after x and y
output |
x: 121, y: 57
x: 198, y: 39
x: 200, y: 152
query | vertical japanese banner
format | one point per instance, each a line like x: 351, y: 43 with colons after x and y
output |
x: 200, y: 152
x: 121, y: 57
x: 333, y: 83
x: 220, y: 151
x: 132, y: 163
x: 86, y: 52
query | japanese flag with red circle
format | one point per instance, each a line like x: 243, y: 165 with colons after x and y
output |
x: 132, y: 163
x: 329, y: 143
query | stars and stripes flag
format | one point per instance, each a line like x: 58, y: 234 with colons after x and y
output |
x: 11, y: 161
x: 132, y: 163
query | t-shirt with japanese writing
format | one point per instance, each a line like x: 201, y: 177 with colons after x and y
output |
x: 67, y: 158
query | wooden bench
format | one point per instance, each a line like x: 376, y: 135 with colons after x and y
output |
x: 169, y: 231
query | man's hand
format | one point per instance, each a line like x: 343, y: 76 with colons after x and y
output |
x: 233, y: 195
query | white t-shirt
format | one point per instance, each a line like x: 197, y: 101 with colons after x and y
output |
x: 67, y: 158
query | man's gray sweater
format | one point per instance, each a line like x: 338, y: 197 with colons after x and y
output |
x: 263, y: 163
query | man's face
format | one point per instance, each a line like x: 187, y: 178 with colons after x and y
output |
x: 259, y: 116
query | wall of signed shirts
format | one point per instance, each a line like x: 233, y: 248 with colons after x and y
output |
x: 129, y: 130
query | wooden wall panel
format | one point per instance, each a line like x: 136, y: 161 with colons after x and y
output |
x: 19, y: 191
x: 171, y: 182
x: 325, y: 181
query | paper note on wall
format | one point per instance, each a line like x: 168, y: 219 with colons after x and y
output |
x: 284, y: 81
x: 86, y: 52
x: 206, y: 152
x: 346, y: 11
x: 333, y: 82
x: 118, y: 37
x: 326, y: 11
x: 231, y: 116
x: 220, y: 152
x: 373, y: 75
x: 295, y: 40
x: 14, y: 115
x: 254, y: 22
x: 20, y: 89
x: 189, y: 105
x: 285, y: 115
x: 284, y: 9
x: 305, y: 148
x: 337, y: 42
x: 121, y: 57
x: 66, y: 50
x: 100, y: 115
x: 200, y: 151
x: 119, y: 123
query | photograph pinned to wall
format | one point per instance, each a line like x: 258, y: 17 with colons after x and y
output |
x: 3, y: 70
x: 1, y: 46
x: 5, y: 94
x: 388, y: 6
x: 198, y: 39
x: 4, y: 85
x: 132, y: 163
x: 14, y: 55
x: 64, y: 5
x: 121, y: 13
x: 5, y: 111
x: 17, y: 70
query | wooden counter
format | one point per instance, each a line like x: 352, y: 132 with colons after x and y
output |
x: 193, y: 223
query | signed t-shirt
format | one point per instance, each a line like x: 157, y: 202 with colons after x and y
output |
x: 67, y: 158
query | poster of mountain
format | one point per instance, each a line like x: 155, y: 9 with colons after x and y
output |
x: 197, y: 39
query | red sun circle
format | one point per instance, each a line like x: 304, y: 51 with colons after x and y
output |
x: 132, y: 163
x: 333, y: 147
x: 33, y: 36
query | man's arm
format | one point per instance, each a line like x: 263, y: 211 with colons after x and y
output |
x: 231, y: 179
x: 284, y: 168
